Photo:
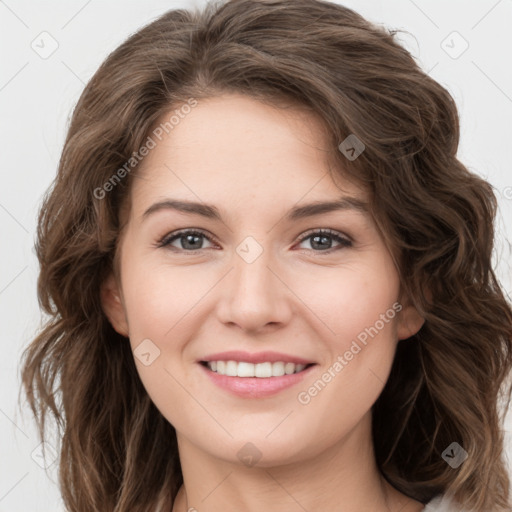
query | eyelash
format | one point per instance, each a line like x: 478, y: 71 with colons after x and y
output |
x: 344, y: 241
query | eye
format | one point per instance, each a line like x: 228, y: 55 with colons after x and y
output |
x: 189, y: 239
x: 321, y: 240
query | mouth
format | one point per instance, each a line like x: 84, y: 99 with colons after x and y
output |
x: 245, y: 369
x: 255, y: 375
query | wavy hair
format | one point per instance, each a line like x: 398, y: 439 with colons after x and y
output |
x: 117, y: 452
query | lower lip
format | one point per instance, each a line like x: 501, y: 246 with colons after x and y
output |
x: 255, y: 387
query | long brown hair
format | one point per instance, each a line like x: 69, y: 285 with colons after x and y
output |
x: 118, y: 453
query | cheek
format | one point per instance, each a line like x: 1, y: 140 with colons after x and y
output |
x: 159, y: 299
x: 351, y: 299
x: 160, y: 304
x: 360, y: 308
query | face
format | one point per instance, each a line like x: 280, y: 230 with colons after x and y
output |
x: 253, y: 318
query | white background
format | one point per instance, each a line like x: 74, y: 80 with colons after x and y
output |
x: 36, y: 99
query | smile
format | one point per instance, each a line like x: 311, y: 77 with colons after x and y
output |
x: 258, y: 375
x: 260, y: 370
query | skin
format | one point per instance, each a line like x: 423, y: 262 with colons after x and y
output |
x: 255, y: 162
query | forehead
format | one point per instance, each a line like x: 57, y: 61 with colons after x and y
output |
x: 237, y: 150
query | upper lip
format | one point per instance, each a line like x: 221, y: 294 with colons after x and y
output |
x: 257, y: 357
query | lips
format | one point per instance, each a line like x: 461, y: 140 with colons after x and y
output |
x: 259, y: 357
x: 256, y: 375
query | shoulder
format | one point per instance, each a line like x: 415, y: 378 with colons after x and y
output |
x: 443, y: 503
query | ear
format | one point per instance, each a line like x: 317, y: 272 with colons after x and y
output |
x: 409, y: 320
x: 112, y: 305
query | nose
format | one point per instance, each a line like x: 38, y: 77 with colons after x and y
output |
x: 255, y: 297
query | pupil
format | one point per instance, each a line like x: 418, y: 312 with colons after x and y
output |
x: 323, y: 240
x: 189, y: 240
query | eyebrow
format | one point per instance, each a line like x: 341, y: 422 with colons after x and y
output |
x: 299, y: 212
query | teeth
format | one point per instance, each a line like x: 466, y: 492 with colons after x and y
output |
x: 231, y: 369
x: 289, y: 368
x: 245, y: 370
x: 262, y: 370
x: 277, y: 369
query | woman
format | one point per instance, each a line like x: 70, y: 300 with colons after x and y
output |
x: 269, y: 277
